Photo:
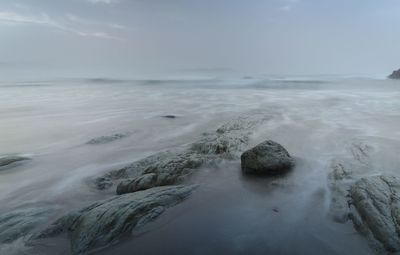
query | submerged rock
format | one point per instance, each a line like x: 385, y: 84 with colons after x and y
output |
x: 395, y: 74
x: 267, y: 158
x: 169, y: 116
x: 107, y: 139
x: 20, y: 222
x: 376, y: 201
x: 104, y: 222
x: 8, y: 160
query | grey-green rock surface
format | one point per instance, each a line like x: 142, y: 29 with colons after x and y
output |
x: 376, y: 201
x: 20, y: 222
x: 370, y: 199
x: 267, y: 158
x: 142, y: 182
x: 103, y: 223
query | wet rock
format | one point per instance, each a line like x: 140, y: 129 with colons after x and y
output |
x: 142, y: 182
x: 103, y: 182
x: 343, y: 173
x: 171, y: 167
x: 8, y: 160
x: 376, y: 201
x: 107, y: 139
x: 20, y: 222
x: 104, y: 222
x: 395, y: 74
x: 267, y: 158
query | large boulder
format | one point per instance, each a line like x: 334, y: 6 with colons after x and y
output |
x: 267, y: 158
x: 395, y: 74
x: 376, y: 201
x: 103, y: 223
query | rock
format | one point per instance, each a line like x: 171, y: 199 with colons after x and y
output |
x: 7, y: 160
x: 343, y: 173
x: 395, y: 74
x: 267, y: 158
x: 376, y: 201
x: 171, y: 167
x: 142, y: 182
x: 107, y: 139
x: 105, y: 222
x: 103, y: 182
x: 20, y: 222
x: 169, y: 116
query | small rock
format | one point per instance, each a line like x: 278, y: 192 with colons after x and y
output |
x: 267, y: 158
x: 169, y: 116
x: 107, y: 139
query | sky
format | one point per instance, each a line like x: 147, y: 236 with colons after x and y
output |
x: 132, y: 38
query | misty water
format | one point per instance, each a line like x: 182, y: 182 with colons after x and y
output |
x: 314, y: 119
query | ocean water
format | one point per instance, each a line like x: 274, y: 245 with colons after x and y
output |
x: 315, y: 119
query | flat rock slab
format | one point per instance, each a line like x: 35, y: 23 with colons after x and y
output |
x: 377, y: 211
x: 267, y: 158
x: 8, y: 160
x: 104, y: 222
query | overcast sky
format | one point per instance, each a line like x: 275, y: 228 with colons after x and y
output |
x: 126, y: 38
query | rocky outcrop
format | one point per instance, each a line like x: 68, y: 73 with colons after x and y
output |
x: 104, y: 222
x: 8, y: 160
x: 171, y: 167
x: 20, y: 222
x: 142, y: 188
x: 267, y: 158
x: 343, y: 173
x: 395, y: 74
x: 371, y: 200
x: 376, y: 201
x: 107, y: 138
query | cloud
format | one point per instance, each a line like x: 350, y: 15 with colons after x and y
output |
x: 45, y: 20
x: 75, y: 19
x: 289, y: 5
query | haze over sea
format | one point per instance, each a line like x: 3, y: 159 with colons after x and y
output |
x: 315, y: 118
